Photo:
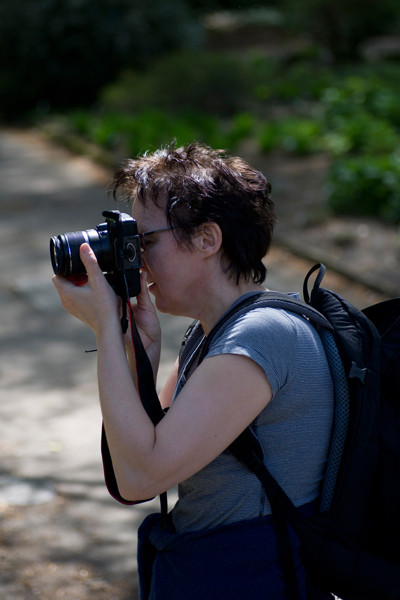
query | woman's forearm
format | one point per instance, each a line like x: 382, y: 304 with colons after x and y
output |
x: 153, y: 355
x: 130, y: 432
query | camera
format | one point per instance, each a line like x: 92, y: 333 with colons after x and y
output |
x: 116, y: 244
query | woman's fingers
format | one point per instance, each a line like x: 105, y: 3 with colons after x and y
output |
x: 143, y: 299
x: 89, y: 261
x: 78, y: 280
x: 95, y: 303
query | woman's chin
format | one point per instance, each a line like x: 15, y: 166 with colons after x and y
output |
x: 153, y: 290
x: 159, y: 303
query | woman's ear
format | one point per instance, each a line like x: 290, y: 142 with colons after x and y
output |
x: 208, y: 238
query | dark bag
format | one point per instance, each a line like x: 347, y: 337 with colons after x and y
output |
x: 234, y: 561
x: 352, y: 545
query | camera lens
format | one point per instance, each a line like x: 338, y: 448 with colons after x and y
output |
x: 116, y: 245
x: 64, y: 250
x: 56, y: 255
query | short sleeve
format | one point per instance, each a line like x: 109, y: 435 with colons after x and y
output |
x: 269, y: 337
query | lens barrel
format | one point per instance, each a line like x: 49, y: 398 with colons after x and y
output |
x: 64, y: 250
x: 116, y: 245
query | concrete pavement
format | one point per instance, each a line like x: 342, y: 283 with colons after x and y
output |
x: 61, y: 535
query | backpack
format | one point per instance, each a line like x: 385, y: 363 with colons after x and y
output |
x: 351, y: 546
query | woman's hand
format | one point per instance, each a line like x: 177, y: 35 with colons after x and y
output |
x: 94, y: 303
x: 147, y: 324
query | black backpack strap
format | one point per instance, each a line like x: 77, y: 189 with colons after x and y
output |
x: 191, y: 341
x: 247, y: 449
x: 268, y: 300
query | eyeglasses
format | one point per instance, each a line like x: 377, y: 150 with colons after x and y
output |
x: 142, y: 236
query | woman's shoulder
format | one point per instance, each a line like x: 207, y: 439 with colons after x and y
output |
x: 265, y: 320
x: 267, y: 331
x: 279, y: 341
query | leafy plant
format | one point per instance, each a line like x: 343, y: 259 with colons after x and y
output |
x: 294, y: 135
x: 361, y: 133
x: 366, y: 186
x: 375, y: 94
x: 125, y: 134
x: 214, y: 83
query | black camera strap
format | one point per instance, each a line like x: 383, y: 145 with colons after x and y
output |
x: 125, y: 303
x: 146, y: 387
x: 147, y: 393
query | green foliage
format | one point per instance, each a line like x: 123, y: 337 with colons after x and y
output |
x: 303, y: 79
x: 59, y: 53
x: 362, y: 131
x: 132, y: 134
x: 214, y: 83
x: 354, y: 118
x: 157, y: 85
x: 294, y: 135
x: 376, y: 93
x: 367, y: 186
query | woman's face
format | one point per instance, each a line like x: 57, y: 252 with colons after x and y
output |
x: 171, y: 269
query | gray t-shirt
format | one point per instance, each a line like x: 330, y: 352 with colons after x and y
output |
x: 294, y: 429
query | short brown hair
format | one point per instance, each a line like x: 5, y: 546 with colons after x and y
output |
x: 200, y: 185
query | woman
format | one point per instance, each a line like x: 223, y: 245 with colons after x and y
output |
x: 206, y: 222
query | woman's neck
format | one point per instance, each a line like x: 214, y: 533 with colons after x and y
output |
x: 222, y: 298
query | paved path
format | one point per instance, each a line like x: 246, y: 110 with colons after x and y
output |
x: 61, y: 535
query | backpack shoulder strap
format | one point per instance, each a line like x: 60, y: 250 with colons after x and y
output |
x: 194, y: 334
x: 268, y: 300
x: 192, y: 340
x: 247, y: 448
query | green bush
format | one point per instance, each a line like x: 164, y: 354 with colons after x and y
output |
x: 366, y: 186
x: 219, y: 83
x: 298, y: 106
x: 267, y: 136
x: 214, y: 83
x: 300, y: 136
x: 294, y: 135
x: 361, y: 133
x: 123, y: 134
x: 374, y: 93
x: 302, y: 80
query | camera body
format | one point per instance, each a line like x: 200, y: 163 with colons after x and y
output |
x: 116, y: 244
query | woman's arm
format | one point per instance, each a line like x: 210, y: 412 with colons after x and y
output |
x: 221, y: 398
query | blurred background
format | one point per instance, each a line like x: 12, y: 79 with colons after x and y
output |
x: 307, y: 90
x: 117, y: 77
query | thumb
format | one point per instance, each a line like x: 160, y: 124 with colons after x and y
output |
x: 143, y: 299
